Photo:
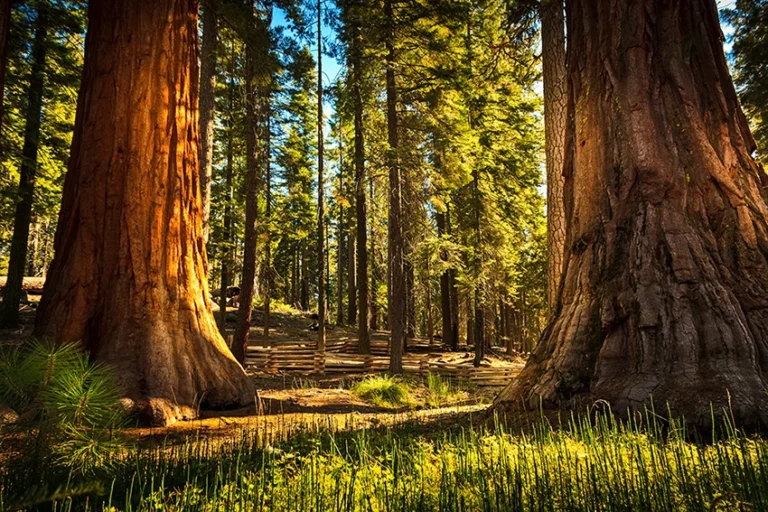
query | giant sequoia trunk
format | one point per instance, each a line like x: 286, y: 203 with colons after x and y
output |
x: 17, y: 264
x: 665, y: 292
x: 129, y: 275
x: 555, y: 104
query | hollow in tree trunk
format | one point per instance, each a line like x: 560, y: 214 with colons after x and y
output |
x: 129, y: 275
x: 665, y: 292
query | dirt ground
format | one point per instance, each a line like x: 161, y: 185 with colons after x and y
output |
x: 289, y: 402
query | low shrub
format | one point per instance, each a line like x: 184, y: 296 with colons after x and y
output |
x: 383, y: 391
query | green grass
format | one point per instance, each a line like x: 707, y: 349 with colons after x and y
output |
x: 384, y: 391
x: 440, y: 391
x: 603, y: 465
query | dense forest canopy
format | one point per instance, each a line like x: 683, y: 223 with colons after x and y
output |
x: 383, y: 255
x: 431, y: 187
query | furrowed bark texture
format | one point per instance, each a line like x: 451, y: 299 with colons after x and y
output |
x: 665, y: 293
x: 129, y: 275
x: 555, y: 108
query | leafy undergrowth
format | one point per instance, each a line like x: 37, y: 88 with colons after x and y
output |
x: 585, y: 465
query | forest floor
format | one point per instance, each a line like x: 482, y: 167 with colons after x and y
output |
x: 291, y: 402
x: 315, y: 443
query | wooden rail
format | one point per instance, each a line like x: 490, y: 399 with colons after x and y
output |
x: 304, y: 359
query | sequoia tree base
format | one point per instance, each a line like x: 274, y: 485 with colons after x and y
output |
x: 664, y: 291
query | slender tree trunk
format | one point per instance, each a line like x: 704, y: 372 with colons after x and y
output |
x: 454, y: 292
x: 34, y: 244
x: 555, y: 106
x: 397, y: 296
x: 340, y: 242
x: 295, y: 276
x: 430, y: 319
x: 374, y: 296
x: 470, y: 323
x: 361, y: 218
x: 227, y: 246
x: 207, y: 108
x: 5, y: 32
x: 410, y: 299
x: 500, y: 323
x: 479, y: 313
x: 268, y: 221
x: 352, y: 278
x: 513, y: 334
x: 665, y: 290
x: 255, y: 109
x: 12, y: 293
x: 304, y: 279
x: 445, y: 288
x: 129, y: 276
x: 321, y: 305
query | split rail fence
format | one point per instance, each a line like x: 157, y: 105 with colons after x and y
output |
x: 340, y: 358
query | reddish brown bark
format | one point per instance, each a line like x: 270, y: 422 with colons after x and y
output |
x: 665, y: 293
x: 129, y: 275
